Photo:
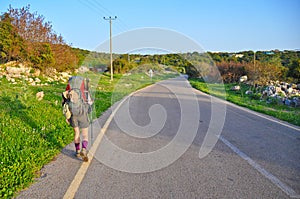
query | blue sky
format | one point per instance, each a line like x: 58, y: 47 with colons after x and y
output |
x: 216, y: 25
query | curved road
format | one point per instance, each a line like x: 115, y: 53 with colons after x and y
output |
x: 256, y: 156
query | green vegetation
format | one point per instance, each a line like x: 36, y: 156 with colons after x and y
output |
x: 252, y: 101
x: 27, y: 38
x: 260, y: 66
x: 33, y: 132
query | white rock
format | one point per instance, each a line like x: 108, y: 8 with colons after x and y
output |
x: 40, y: 95
x: 248, y: 92
x: 65, y: 75
x: 243, y: 78
x: 14, y: 70
x: 278, y: 89
x: 50, y: 79
x: 290, y: 90
x: 37, y: 80
x: 83, y: 69
x: 235, y: 88
x: 37, y: 72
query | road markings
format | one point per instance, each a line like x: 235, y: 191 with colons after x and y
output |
x: 263, y: 116
x: 70, y: 193
x: 252, y: 112
x: 286, y: 189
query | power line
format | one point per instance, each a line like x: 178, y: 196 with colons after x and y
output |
x: 99, y: 9
x: 90, y: 7
x: 110, y: 45
x: 121, y: 26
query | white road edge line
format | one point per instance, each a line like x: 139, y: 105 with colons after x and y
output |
x: 70, y: 193
x: 286, y: 189
x: 252, y: 112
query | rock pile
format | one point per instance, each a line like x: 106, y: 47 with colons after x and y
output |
x: 282, y: 93
x: 275, y: 92
x: 16, y: 72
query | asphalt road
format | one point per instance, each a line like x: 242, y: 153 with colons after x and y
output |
x: 154, y: 145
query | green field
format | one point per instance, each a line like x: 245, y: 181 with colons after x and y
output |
x: 253, y: 102
x: 33, y: 132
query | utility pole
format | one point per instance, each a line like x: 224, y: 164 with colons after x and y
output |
x: 256, y: 75
x: 110, y: 46
x: 254, y: 59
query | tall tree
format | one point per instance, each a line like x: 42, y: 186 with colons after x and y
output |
x: 32, y: 27
x: 11, y: 44
x: 43, y: 47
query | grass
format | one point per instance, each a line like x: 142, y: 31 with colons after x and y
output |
x: 33, y: 132
x: 252, y: 102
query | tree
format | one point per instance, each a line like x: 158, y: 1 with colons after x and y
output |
x: 41, y: 56
x: 263, y: 72
x: 231, y: 71
x: 32, y: 27
x: 11, y: 44
x: 26, y: 35
x: 294, y: 70
x: 65, y: 58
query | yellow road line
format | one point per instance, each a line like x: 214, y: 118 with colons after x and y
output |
x: 70, y: 193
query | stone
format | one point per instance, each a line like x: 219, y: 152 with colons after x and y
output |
x: 65, y: 74
x: 14, y: 70
x: 296, y: 101
x: 37, y: 72
x: 268, y: 92
x: 243, y: 78
x: 235, y: 88
x: 289, y: 90
x: 83, y: 69
x: 287, y: 102
x: 40, y: 95
x: 249, y: 92
x: 293, y: 86
x: 37, y: 80
x: 278, y: 89
x: 49, y: 79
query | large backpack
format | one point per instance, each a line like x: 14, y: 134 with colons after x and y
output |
x: 76, y: 97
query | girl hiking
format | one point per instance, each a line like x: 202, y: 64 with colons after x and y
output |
x: 76, y: 106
